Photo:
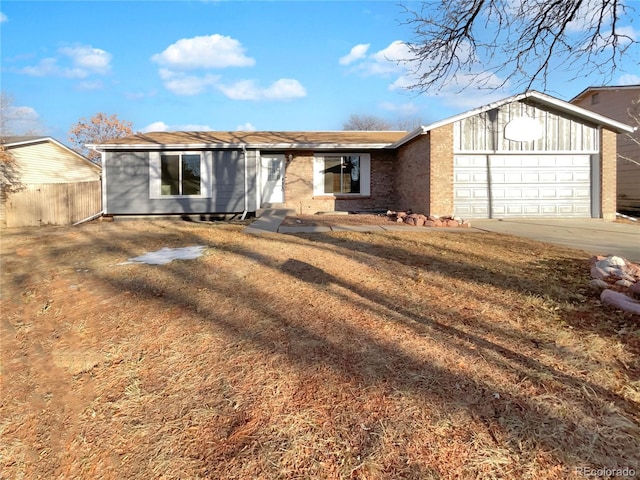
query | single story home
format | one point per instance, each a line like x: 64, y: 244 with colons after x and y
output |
x: 529, y: 155
x: 53, y: 184
x: 621, y: 103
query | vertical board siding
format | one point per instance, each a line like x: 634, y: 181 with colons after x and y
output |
x: 53, y: 204
x: 485, y: 131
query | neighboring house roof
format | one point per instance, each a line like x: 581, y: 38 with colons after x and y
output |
x: 590, y: 90
x: 535, y: 98
x: 11, y: 142
x: 302, y: 140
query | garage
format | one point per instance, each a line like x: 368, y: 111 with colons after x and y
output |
x: 527, y: 159
x: 500, y: 186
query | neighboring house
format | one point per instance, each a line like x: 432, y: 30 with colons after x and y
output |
x: 617, y: 103
x: 56, y: 184
x: 528, y: 155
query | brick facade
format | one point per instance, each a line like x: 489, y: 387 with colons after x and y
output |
x: 413, y: 175
x: 441, y: 177
x: 608, y: 146
x: 298, y: 189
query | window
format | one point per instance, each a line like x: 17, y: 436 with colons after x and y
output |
x: 595, y: 98
x: 342, y: 174
x: 180, y: 174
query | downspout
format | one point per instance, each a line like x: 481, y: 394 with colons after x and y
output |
x: 246, y: 183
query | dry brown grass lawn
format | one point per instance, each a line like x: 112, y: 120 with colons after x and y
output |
x: 420, y: 355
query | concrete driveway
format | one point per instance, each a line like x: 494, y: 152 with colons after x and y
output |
x: 592, y: 235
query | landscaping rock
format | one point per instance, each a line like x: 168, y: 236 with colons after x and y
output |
x: 621, y: 301
x: 598, y: 284
x: 418, y: 220
x: 619, y: 281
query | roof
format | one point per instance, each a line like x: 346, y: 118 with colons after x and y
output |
x: 337, y: 139
x: 13, y: 140
x: 535, y: 98
x: 269, y: 139
x: 604, y: 87
x: 24, y: 141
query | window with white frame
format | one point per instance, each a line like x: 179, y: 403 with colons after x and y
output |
x: 342, y: 174
x: 177, y: 174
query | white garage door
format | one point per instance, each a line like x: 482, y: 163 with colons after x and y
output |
x: 497, y: 186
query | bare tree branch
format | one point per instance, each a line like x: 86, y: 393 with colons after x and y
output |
x: 517, y: 42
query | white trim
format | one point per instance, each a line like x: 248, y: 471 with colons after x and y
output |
x: 365, y: 174
x: 266, y: 146
x: 547, y: 100
x: 155, y: 179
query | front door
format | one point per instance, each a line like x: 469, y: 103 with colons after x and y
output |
x: 272, y: 175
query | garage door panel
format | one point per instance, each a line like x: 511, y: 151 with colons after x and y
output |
x: 523, y: 185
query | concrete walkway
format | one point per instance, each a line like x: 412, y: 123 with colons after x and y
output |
x: 591, y: 235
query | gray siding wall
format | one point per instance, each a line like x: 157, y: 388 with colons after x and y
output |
x: 127, y: 185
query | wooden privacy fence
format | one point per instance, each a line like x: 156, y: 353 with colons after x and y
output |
x: 53, y: 204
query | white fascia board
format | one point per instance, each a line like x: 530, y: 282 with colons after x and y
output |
x: 265, y: 146
x: 547, y: 100
x: 618, y: 127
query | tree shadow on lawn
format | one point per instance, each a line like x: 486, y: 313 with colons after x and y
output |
x: 517, y: 422
x: 524, y: 422
x: 569, y: 303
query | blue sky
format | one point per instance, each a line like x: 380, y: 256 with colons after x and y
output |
x: 223, y: 65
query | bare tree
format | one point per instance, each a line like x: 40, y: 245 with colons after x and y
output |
x: 17, y: 120
x: 366, y: 122
x: 492, y: 43
x: 634, y: 114
x: 97, y: 129
x: 10, y: 175
x: 373, y: 123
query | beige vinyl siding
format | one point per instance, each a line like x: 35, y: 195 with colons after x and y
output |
x: 615, y: 103
x: 49, y: 163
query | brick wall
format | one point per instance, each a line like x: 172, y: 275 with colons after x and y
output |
x: 608, y: 174
x: 441, y: 177
x: 298, y: 188
x: 412, y: 175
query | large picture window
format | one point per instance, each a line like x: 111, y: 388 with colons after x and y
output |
x: 342, y: 174
x: 180, y: 174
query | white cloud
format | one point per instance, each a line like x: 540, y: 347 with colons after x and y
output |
x: 283, y: 89
x: 89, y: 86
x: 20, y: 120
x: 82, y: 61
x: 3, y: 18
x: 402, y: 109
x: 358, y: 52
x: 194, y: 127
x: 164, y: 127
x: 155, y: 127
x: 213, y: 51
x: 246, y: 127
x: 629, y: 79
x: 182, y: 84
x: 89, y: 59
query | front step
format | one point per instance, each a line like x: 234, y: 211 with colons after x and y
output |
x: 275, y: 209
